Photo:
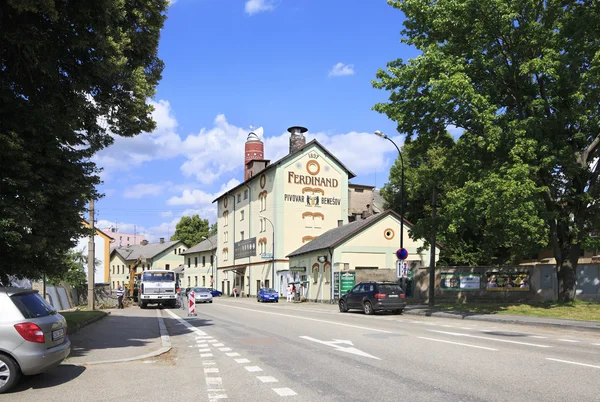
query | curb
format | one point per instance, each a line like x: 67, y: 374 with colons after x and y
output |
x: 84, y: 324
x: 164, y: 338
x: 441, y: 314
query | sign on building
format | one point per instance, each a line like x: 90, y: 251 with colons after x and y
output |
x: 245, y: 248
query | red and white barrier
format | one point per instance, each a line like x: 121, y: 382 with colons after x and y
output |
x: 192, y: 304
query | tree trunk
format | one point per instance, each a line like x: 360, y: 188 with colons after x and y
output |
x: 565, y: 270
x: 432, y: 249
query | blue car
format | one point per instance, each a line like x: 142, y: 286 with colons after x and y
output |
x: 267, y: 294
x: 215, y: 292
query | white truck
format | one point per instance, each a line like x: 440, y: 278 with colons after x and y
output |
x: 157, y: 286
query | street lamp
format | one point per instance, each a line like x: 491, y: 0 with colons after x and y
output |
x: 272, y: 255
x: 212, y: 265
x: 382, y: 135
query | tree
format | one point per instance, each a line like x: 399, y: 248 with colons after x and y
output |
x: 74, y: 273
x: 191, y: 230
x: 71, y: 77
x: 213, y: 230
x: 521, y: 79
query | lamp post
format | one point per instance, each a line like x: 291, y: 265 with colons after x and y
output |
x: 382, y: 135
x: 272, y: 255
x: 212, y: 265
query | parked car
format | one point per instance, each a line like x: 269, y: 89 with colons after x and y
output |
x: 267, y: 294
x: 202, y: 295
x: 374, y: 296
x: 215, y: 292
x: 33, y: 336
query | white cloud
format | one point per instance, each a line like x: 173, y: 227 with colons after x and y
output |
x: 258, y: 6
x: 142, y: 190
x: 341, y: 69
x: 166, y: 214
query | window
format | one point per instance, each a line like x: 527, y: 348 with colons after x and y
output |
x: 167, y: 267
x: 189, y: 281
x: 113, y: 284
x: 195, y: 261
x: 32, y: 305
x: 308, y: 221
x: 315, y: 273
x: 212, y: 259
x: 203, y: 261
x: 127, y: 238
x: 113, y: 271
x: 239, y: 198
x: 189, y: 262
x: 226, y: 218
x: 203, y: 280
x: 196, y: 280
x: 175, y: 251
x: 246, y: 194
x: 317, y: 222
x: 327, y: 272
x: 225, y: 236
x: 242, y: 235
x: 242, y: 215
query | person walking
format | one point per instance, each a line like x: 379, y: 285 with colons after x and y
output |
x: 289, y: 293
x: 120, y: 293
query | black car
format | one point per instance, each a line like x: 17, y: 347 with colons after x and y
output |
x: 374, y: 296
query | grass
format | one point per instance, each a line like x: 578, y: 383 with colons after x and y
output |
x: 577, y: 310
x: 77, y: 317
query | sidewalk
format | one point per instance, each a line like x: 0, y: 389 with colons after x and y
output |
x: 123, y: 335
x: 424, y: 310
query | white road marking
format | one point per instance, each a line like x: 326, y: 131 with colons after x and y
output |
x: 242, y: 360
x: 491, y: 339
x: 335, y: 343
x: 218, y: 344
x: 204, y: 350
x: 208, y: 362
x: 457, y: 343
x: 212, y: 340
x: 596, y: 344
x: 203, y: 337
x: 225, y: 349
x: 253, y: 369
x: 284, y: 391
x: 296, y: 317
x: 206, y: 355
x: 214, y: 381
x: 267, y: 379
x: 448, y: 326
x: 211, y: 370
x: 568, y: 340
x: 467, y: 328
x: 538, y: 337
x: 576, y: 363
x: 232, y: 354
x: 214, y: 397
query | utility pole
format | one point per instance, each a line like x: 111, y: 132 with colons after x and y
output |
x: 432, y: 248
x: 91, y: 259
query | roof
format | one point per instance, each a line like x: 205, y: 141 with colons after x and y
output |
x: 99, y: 232
x: 285, y: 158
x: 204, y: 245
x: 150, y: 250
x: 335, y: 236
x: 354, y: 185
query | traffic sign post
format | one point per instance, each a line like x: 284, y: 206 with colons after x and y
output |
x: 192, y: 304
x: 401, y: 269
x: 402, y: 253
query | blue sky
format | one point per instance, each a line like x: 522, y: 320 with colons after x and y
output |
x: 236, y: 64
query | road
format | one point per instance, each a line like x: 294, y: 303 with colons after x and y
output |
x: 240, y: 350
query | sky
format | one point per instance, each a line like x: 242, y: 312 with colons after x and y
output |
x: 232, y: 66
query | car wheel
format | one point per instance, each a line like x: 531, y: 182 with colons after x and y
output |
x: 343, y: 306
x: 368, y: 307
x: 258, y: 300
x: 210, y: 301
x: 399, y: 311
x: 9, y: 373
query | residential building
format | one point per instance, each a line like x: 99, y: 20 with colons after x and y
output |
x: 124, y: 239
x: 199, y: 264
x: 366, y: 248
x: 102, y: 244
x: 162, y: 255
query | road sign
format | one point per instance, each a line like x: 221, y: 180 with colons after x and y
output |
x: 267, y: 256
x: 402, y: 254
x: 401, y: 269
x: 192, y: 304
x: 347, y: 281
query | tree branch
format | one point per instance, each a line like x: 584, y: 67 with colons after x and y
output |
x: 583, y: 158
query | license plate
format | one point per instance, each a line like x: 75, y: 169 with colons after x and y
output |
x: 392, y: 295
x: 58, y: 334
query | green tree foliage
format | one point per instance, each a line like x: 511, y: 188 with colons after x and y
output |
x: 191, y: 230
x: 522, y: 79
x: 74, y: 273
x: 70, y: 75
x: 213, y: 229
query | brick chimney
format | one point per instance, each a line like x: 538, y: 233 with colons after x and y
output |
x: 297, y: 138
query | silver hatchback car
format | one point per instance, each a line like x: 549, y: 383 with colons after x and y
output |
x: 33, y: 336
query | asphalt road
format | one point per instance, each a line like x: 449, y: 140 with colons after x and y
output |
x: 240, y: 350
